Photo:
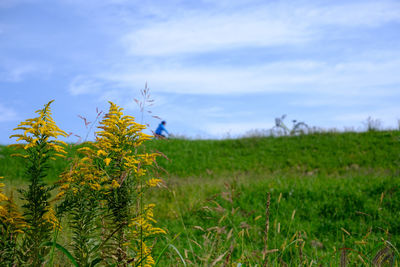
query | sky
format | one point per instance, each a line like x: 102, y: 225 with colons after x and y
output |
x: 215, y: 69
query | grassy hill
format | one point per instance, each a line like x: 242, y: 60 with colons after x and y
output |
x: 324, y: 153
x: 328, y: 191
x: 321, y: 153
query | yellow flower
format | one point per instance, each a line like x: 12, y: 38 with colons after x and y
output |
x: 153, y: 182
x: 95, y: 186
x: 85, y: 159
x: 142, y: 224
x: 65, y: 187
x: 3, y: 197
x: 107, y: 161
x: 101, y: 153
x: 50, y: 217
x: 10, y: 216
x: 85, y: 150
x: 3, y: 212
x: 60, y: 194
x: 115, y: 184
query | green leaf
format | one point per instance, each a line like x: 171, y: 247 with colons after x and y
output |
x: 165, y: 249
x: 94, y: 262
x: 179, y: 254
x: 63, y: 250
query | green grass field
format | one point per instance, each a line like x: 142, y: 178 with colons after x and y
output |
x: 333, y: 197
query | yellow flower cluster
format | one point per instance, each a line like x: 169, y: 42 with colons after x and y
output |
x: 3, y: 211
x: 50, y: 216
x: 148, y: 159
x: 142, y: 225
x: 141, y: 228
x: 107, y: 161
x: 2, y: 196
x: 39, y: 130
x: 9, y: 214
x: 120, y: 133
x: 115, y: 184
x: 116, y: 143
x: 81, y: 175
x: 143, y: 251
x: 153, y: 182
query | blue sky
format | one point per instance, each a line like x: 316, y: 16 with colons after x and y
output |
x: 214, y: 68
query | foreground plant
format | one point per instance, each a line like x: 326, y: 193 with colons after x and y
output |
x: 41, y: 145
x: 117, y: 144
x: 103, y: 191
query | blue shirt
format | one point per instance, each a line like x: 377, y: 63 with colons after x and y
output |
x: 160, y: 129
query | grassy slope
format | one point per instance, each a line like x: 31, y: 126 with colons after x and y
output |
x: 327, y: 153
x: 334, y: 181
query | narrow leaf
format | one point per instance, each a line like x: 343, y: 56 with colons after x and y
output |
x: 63, y: 250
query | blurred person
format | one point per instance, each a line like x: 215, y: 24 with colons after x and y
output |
x: 160, y: 129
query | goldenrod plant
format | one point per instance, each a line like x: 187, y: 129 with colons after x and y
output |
x: 40, y: 145
x: 105, y: 188
x: 117, y: 144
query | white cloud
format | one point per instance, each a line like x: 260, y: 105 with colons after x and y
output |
x: 7, y: 114
x: 81, y: 85
x: 260, y: 26
x: 350, y: 78
x: 205, y: 32
x: 218, y: 80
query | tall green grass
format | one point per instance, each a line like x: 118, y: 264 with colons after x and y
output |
x: 328, y: 214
